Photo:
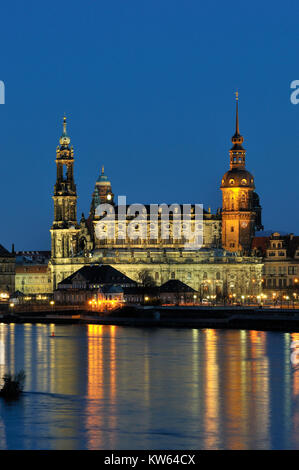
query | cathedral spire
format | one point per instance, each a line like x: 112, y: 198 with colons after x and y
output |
x: 237, y: 113
x: 237, y: 186
x: 64, y: 139
x: 237, y: 139
x: 64, y: 126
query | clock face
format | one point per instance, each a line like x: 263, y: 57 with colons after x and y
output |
x: 243, y: 224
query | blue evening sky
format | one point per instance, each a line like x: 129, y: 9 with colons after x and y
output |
x: 148, y: 90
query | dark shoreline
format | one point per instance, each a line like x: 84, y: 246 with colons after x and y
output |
x: 248, y: 318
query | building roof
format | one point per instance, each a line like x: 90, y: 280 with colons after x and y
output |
x: 181, y: 206
x: 174, y: 286
x: 31, y: 268
x: 290, y: 243
x: 111, y: 289
x: 32, y: 257
x: 237, y: 177
x: 99, y: 274
x: 17, y: 294
x: 4, y: 252
x: 260, y: 244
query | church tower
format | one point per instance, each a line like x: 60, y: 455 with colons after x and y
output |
x: 102, y: 193
x: 65, y: 228
x: 237, y: 186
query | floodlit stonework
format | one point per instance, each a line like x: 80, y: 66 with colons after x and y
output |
x: 210, y: 270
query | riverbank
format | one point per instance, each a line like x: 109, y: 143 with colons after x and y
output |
x: 247, y: 318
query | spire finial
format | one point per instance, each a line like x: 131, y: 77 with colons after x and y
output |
x: 237, y: 113
x: 64, y: 124
x: 102, y: 169
x: 64, y: 139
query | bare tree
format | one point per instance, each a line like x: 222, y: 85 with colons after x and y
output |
x: 146, y: 278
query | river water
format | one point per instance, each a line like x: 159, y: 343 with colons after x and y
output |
x: 111, y: 387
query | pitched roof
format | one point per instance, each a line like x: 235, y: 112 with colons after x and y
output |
x: 260, y: 244
x: 174, y: 285
x: 4, y: 252
x: 290, y: 243
x: 100, y: 274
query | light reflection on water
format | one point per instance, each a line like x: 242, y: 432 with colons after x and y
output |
x: 109, y: 387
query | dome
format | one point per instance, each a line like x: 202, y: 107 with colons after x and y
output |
x: 237, y: 177
x: 103, y: 179
x: 64, y: 139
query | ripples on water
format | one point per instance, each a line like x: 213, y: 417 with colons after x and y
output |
x: 108, y: 387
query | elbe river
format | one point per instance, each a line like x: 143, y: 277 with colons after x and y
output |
x: 110, y: 387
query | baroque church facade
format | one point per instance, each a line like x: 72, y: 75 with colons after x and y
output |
x: 223, y: 266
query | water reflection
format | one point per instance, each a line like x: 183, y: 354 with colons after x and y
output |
x: 109, y: 387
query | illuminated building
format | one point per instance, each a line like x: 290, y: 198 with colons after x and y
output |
x: 209, y: 270
x: 241, y: 212
x: 7, y: 272
x: 33, y: 275
x: 93, y: 282
x: 281, y: 265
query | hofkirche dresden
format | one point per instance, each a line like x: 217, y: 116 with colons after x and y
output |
x: 224, y: 264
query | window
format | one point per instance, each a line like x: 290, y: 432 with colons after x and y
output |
x: 282, y: 269
x: 232, y: 229
x: 292, y: 270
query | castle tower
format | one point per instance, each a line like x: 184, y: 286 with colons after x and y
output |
x: 102, y: 192
x: 103, y: 187
x: 65, y: 228
x: 237, y: 186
